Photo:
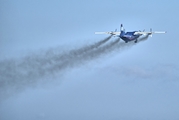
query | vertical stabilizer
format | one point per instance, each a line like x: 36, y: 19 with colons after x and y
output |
x: 122, y: 29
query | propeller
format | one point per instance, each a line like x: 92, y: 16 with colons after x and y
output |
x: 151, y: 32
x: 113, y: 31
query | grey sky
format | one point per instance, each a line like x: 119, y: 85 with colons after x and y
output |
x: 111, y: 82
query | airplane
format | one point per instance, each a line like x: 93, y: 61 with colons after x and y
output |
x: 130, y: 36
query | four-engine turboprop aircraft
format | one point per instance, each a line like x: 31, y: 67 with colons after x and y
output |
x: 130, y: 36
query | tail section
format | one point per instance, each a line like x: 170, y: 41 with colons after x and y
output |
x: 122, y: 29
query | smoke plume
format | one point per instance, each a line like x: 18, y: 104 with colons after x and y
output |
x: 16, y: 75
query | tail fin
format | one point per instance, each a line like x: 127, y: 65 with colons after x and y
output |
x: 122, y: 29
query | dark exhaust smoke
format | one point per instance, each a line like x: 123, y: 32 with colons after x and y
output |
x: 16, y: 75
x: 75, y: 60
x: 90, y: 47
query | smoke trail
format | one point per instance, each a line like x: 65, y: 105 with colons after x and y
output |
x: 74, y: 60
x: 17, y: 75
x: 51, y: 57
x: 90, y: 47
x: 59, y: 60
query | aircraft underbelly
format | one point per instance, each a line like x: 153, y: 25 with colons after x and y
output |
x: 129, y: 38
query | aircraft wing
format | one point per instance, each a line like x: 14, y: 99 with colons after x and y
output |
x: 112, y: 33
x: 148, y: 33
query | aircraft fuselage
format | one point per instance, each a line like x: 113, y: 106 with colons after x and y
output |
x: 128, y: 36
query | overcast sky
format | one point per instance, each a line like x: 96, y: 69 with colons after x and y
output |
x: 54, y: 67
